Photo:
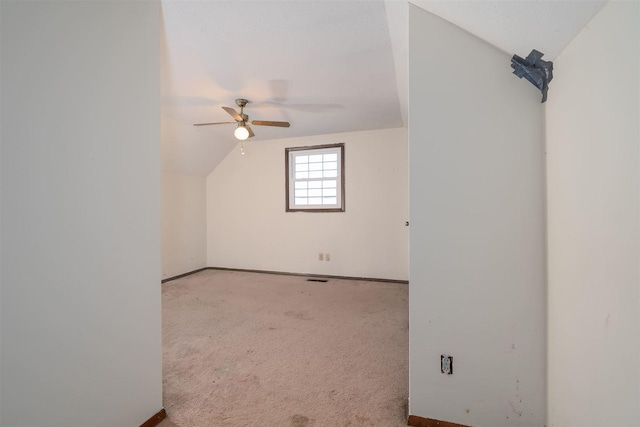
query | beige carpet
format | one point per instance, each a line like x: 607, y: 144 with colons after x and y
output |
x: 166, y: 423
x: 248, y: 349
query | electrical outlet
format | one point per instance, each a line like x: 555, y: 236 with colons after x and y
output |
x: 446, y: 364
x: 320, y: 256
x: 327, y: 257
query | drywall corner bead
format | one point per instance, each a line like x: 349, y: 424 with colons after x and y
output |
x: 534, y: 69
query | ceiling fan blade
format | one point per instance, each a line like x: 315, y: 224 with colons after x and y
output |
x: 309, y: 107
x: 233, y: 113
x: 270, y: 123
x: 215, y: 123
x: 251, y: 134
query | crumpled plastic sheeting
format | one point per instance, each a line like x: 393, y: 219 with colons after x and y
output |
x: 534, y: 69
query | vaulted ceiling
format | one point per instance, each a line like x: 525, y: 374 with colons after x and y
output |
x: 327, y: 66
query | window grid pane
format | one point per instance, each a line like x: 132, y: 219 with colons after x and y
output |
x: 330, y: 166
x: 315, y: 193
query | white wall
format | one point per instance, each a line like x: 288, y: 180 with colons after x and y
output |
x: 593, y: 134
x: 81, y: 341
x: 477, y: 242
x: 184, y: 224
x: 0, y: 216
x: 249, y: 228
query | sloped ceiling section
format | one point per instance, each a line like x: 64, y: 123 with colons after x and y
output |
x: 517, y: 26
x: 325, y: 66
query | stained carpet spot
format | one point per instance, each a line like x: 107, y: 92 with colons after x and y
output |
x: 302, y: 315
x: 363, y: 420
x: 299, y: 421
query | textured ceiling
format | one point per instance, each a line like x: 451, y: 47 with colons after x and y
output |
x: 326, y: 66
x: 517, y: 26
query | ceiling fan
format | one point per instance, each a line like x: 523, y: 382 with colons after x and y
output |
x: 243, y: 131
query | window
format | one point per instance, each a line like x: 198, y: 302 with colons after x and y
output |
x: 315, y: 178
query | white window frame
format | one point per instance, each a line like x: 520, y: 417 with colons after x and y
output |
x: 290, y: 165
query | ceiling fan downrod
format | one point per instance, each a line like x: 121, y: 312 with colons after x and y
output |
x: 241, y: 103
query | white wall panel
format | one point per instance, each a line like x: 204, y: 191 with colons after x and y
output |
x: 593, y: 144
x: 477, y: 276
x: 248, y: 227
x: 81, y: 339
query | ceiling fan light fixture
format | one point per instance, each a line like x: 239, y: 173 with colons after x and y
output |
x: 241, y: 132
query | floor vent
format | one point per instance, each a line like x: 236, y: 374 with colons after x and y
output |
x: 318, y: 280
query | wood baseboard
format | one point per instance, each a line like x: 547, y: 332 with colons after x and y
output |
x: 415, y: 421
x: 285, y: 273
x: 184, y: 275
x: 155, y: 420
